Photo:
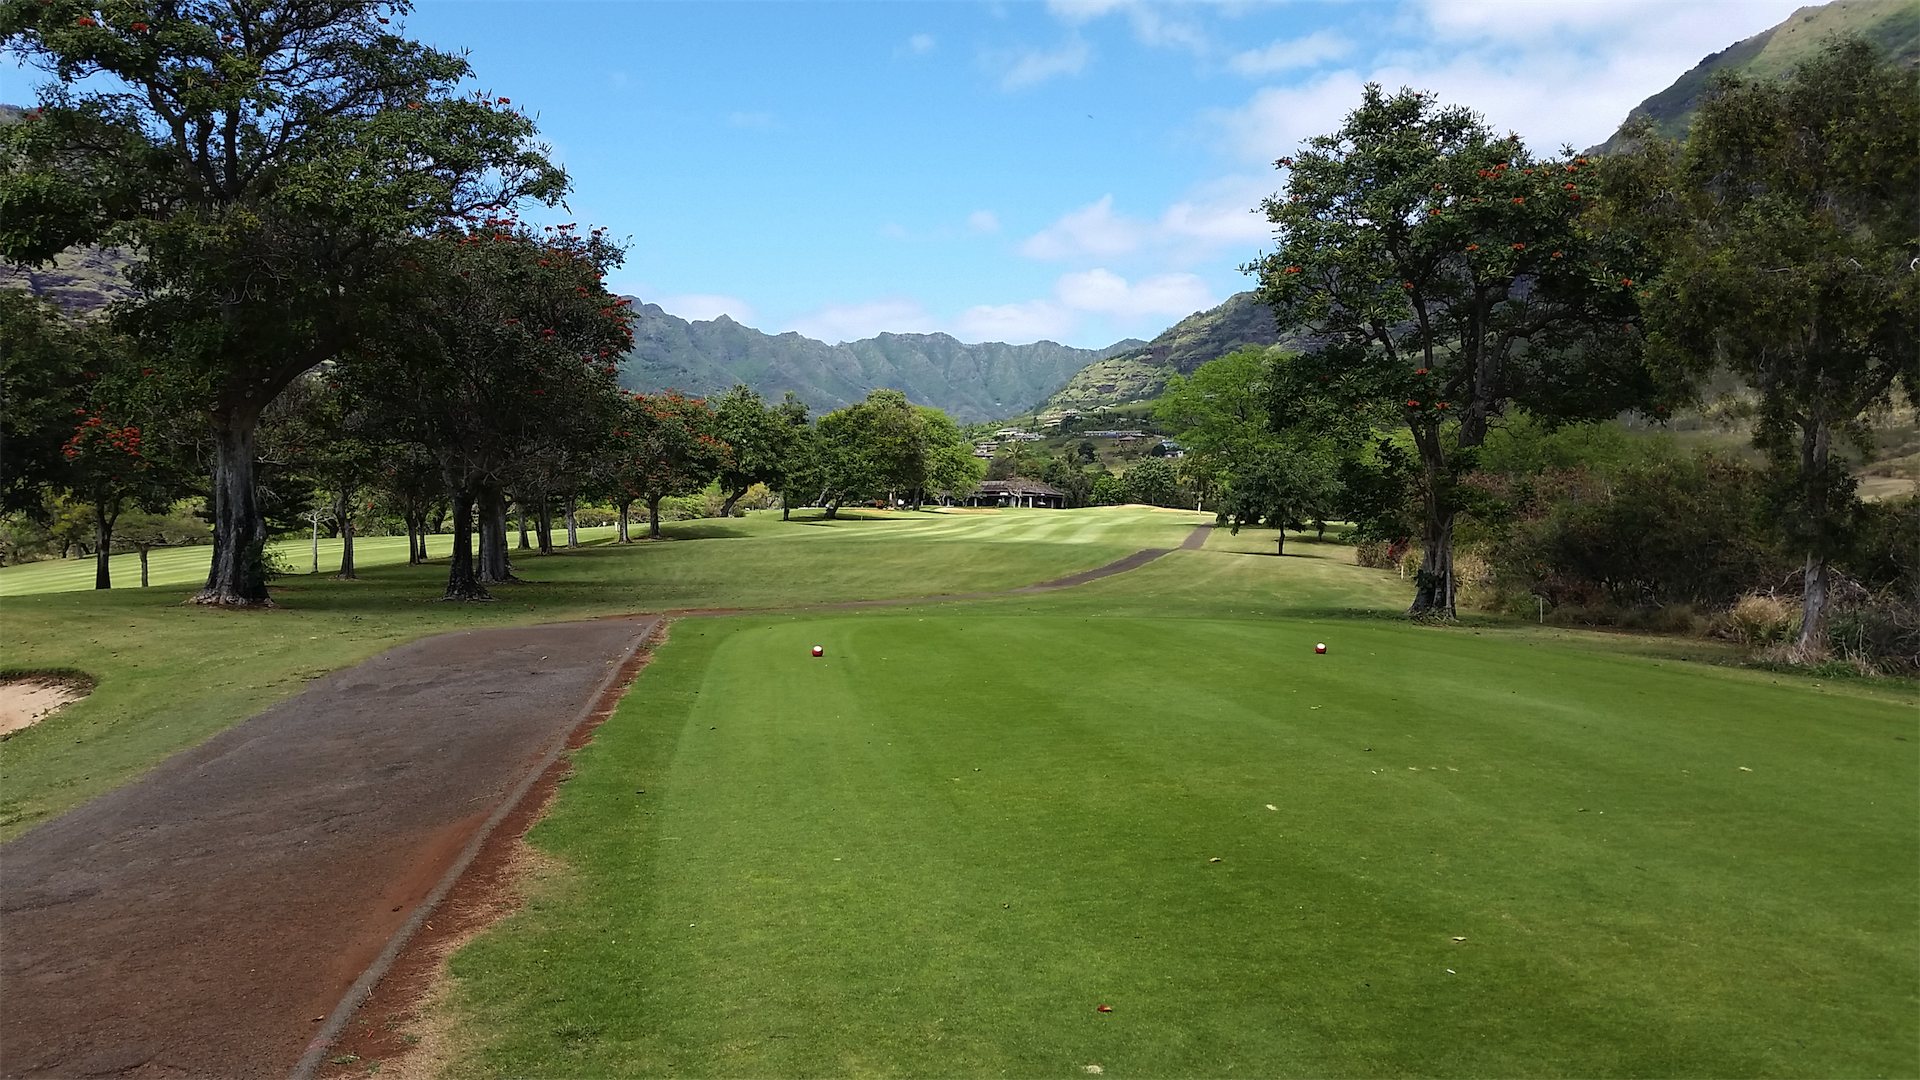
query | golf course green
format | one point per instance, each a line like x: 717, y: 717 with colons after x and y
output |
x: 942, y: 847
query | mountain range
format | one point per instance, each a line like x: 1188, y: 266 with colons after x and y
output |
x: 971, y: 382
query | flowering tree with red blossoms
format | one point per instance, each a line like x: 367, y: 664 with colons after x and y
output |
x: 664, y: 444
x: 1449, y: 275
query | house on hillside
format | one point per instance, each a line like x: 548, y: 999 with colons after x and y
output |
x: 1018, y: 492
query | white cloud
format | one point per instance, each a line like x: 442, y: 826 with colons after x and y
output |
x: 1219, y: 213
x: 1021, y: 322
x: 697, y: 307
x: 750, y: 119
x: 1286, y: 55
x: 1557, y: 73
x: 851, y: 322
x: 1105, y: 292
x: 1151, y: 23
x: 920, y: 44
x: 1213, y: 215
x: 1084, y: 292
x: 983, y: 221
x: 1022, y: 68
x: 1079, y: 11
x: 1093, y: 229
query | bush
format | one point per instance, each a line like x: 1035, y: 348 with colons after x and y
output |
x: 1881, y: 633
x: 589, y: 517
x: 1669, y: 529
x: 1758, y: 620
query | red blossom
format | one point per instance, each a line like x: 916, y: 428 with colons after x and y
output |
x: 504, y: 101
x: 1293, y: 269
x: 138, y: 28
x: 1473, y: 247
x: 1419, y: 371
x: 1519, y: 247
x: 1412, y: 404
x: 1626, y: 281
x: 86, y: 20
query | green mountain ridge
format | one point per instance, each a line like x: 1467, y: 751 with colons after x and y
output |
x: 971, y: 382
x: 1139, y: 374
x: 1893, y: 25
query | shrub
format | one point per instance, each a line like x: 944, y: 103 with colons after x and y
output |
x: 1758, y: 620
x: 1379, y: 554
x: 1881, y: 633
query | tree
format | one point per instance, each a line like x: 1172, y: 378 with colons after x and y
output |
x: 1152, y: 482
x: 758, y: 436
x: 799, y: 451
x: 75, y: 380
x: 868, y: 449
x: 499, y: 347
x: 1788, y: 225
x: 1223, y: 414
x: 666, y: 445
x: 267, y: 160
x: 144, y: 530
x: 1450, y: 275
x: 947, y: 463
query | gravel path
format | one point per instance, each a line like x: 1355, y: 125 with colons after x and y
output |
x: 202, y: 919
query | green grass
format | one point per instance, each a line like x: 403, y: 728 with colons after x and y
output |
x: 169, y: 676
x: 938, y: 849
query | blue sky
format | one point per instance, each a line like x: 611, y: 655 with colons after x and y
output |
x: 1079, y: 171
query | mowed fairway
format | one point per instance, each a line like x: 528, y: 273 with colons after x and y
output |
x: 937, y: 850
x: 169, y: 675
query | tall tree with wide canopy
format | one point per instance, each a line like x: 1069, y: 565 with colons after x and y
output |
x: 1449, y: 274
x: 500, y: 345
x: 1790, y: 222
x: 265, y: 158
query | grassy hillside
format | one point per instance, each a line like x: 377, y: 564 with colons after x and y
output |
x: 1893, y: 25
x: 1139, y: 374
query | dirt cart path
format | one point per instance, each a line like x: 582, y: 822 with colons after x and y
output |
x: 201, y: 920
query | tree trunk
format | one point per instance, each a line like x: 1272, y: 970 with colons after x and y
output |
x: 543, y: 527
x: 726, y: 505
x: 237, y: 576
x: 524, y: 546
x: 1280, y: 541
x: 573, y: 531
x: 653, y: 517
x: 1434, y: 588
x: 1816, y: 446
x: 462, y: 584
x: 833, y: 510
x: 625, y: 506
x: 102, y: 555
x: 343, y: 513
x: 494, y: 567
x: 786, y: 507
x: 144, y: 548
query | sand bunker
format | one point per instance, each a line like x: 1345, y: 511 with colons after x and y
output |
x: 24, y: 701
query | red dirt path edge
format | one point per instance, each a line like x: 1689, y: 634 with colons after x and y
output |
x: 480, y: 893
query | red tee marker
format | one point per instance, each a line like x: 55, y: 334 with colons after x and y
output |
x: 1320, y: 648
x: 818, y: 651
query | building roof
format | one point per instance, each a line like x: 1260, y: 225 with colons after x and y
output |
x: 1019, y: 485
